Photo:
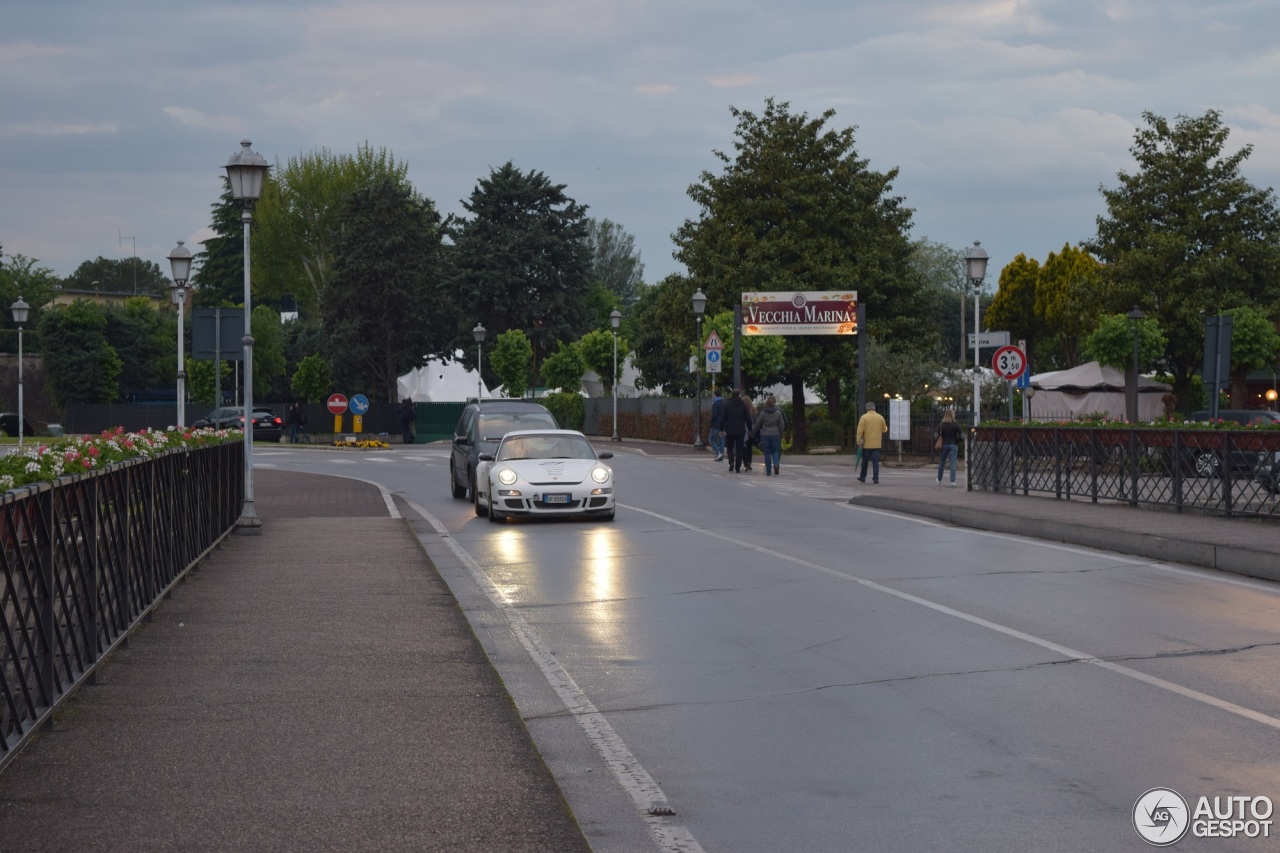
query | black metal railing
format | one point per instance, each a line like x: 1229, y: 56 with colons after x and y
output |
x: 85, y: 558
x: 1224, y: 472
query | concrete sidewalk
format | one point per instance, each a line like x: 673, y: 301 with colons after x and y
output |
x: 313, y: 688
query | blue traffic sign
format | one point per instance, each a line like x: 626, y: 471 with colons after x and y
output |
x: 359, y: 404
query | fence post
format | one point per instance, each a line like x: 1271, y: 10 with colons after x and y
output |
x: 1224, y: 471
x: 1133, y: 466
x: 93, y: 616
x: 48, y: 580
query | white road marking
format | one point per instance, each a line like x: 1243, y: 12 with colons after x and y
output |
x: 1064, y: 651
x: 645, y: 793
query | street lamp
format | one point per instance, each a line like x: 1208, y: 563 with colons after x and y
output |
x: 615, y: 320
x: 1135, y: 325
x: 20, y: 310
x: 699, y: 305
x: 1271, y: 397
x: 975, y: 258
x: 478, y: 334
x: 180, y: 262
x: 246, y: 171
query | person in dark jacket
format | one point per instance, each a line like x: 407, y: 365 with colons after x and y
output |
x: 715, y: 437
x: 736, y: 423
x: 408, y: 415
x: 949, y: 444
x: 769, y: 426
x: 748, y: 440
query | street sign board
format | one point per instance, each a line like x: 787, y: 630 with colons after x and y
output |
x: 989, y: 339
x: 714, y: 362
x: 1009, y: 362
x: 359, y: 404
x: 713, y: 342
x: 337, y: 403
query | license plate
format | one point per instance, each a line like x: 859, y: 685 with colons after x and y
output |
x: 555, y: 499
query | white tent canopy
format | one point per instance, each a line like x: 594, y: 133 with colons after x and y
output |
x: 440, y: 382
x: 1091, y: 389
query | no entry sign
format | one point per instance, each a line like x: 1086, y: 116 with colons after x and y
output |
x: 337, y: 404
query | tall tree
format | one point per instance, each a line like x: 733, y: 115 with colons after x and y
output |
x: 80, y: 365
x: 1186, y: 235
x: 218, y: 279
x: 941, y: 270
x: 123, y: 275
x: 145, y: 341
x: 796, y: 209
x: 299, y: 220
x: 35, y: 284
x: 1069, y: 301
x: 1255, y: 345
x: 1014, y: 308
x: 521, y: 261
x: 510, y: 359
x: 615, y: 262
x: 385, y: 309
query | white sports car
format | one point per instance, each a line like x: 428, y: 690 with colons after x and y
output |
x: 544, y: 472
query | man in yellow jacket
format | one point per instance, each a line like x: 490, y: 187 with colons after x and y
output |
x: 871, y: 430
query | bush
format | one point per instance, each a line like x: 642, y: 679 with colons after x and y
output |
x: 568, y: 409
x: 825, y: 433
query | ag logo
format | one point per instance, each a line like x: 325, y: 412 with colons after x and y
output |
x: 1161, y: 817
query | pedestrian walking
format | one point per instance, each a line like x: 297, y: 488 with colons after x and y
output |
x: 749, y: 440
x: 294, y: 419
x: 947, y: 444
x: 715, y: 438
x: 736, y: 424
x: 769, y: 426
x: 408, y: 415
x: 871, y: 430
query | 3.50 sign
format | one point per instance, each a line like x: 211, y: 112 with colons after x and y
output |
x: 1009, y: 362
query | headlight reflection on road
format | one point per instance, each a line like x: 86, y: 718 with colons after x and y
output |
x: 601, y: 584
x: 512, y: 552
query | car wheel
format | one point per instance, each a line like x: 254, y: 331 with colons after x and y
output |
x: 1207, y: 464
x: 610, y: 516
x: 475, y: 499
x: 493, y: 514
x: 458, y: 492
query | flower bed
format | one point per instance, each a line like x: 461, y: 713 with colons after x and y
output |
x: 79, y: 454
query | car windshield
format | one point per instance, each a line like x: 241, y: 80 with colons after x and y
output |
x: 545, y: 447
x: 495, y: 425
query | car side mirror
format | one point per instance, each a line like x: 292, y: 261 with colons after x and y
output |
x: 460, y: 440
x: 605, y: 454
x: 485, y: 457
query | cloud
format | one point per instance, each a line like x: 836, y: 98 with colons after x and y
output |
x: 48, y: 127
x: 196, y: 118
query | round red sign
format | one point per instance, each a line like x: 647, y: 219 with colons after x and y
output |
x: 337, y: 404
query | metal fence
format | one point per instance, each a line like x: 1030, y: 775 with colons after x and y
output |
x: 86, y: 558
x: 1220, y: 472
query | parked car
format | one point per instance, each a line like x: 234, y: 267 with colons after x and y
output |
x: 1263, y: 465
x: 9, y: 425
x: 266, y: 426
x: 480, y: 427
x: 550, y: 472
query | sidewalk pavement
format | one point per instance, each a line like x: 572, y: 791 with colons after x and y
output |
x: 313, y: 688
x: 318, y: 688
x: 1247, y: 546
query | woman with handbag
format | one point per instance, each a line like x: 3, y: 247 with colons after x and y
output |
x: 948, y: 444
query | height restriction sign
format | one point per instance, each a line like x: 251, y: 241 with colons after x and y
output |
x: 1009, y: 363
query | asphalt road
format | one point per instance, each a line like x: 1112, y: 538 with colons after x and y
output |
x: 788, y: 671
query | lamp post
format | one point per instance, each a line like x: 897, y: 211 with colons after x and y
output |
x: 1271, y: 397
x: 20, y: 310
x: 478, y: 333
x: 180, y: 262
x: 699, y: 305
x: 246, y: 171
x: 1135, y: 325
x: 975, y: 258
x: 615, y: 320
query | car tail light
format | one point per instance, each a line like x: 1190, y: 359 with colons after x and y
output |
x: 278, y: 422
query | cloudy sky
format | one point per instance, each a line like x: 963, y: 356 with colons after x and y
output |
x: 1004, y: 116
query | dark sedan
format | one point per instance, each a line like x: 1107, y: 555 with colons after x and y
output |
x: 266, y: 426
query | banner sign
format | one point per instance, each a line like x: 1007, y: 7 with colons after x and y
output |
x: 808, y: 313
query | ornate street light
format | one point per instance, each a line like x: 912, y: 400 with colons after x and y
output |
x: 1135, y: 325
x: 180, y: 263
x: 699, y: 305
x: 975, y: 259
x: 478, y: 333
x: 20, y: 310
x: 615, y: 320
x: 246, y: 171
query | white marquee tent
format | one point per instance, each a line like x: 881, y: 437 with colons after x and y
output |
x: 440, y: 382
x: 1091, y: 389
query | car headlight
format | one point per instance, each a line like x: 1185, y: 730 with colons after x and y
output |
x: 601, y: 474
x: 507, y: 477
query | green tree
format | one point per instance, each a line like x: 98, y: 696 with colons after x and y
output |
x: 596, y: 349
x: 1186, y: 235
x: 1014, y: 308
x: 664, y: 335
x: 311, y: 381
x: 80, y: 366
x: 1255, y: 345
x: 510, y: 360
x: 945, y: 285
x: 145, y: 341
x: 35, y: 284
x: 200, y: 385
x: 762, y: 357
x: 217, y: 280
x: 299, y: 220
x: 384, y: 309
x: 124, y: 275
x: 268, y: 353
x: 1112, y: 342
x: 1069, y: 300
x: 521, y: 261
x: 795, y: 209
x: 615, y: 262
x: 563, y: 369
